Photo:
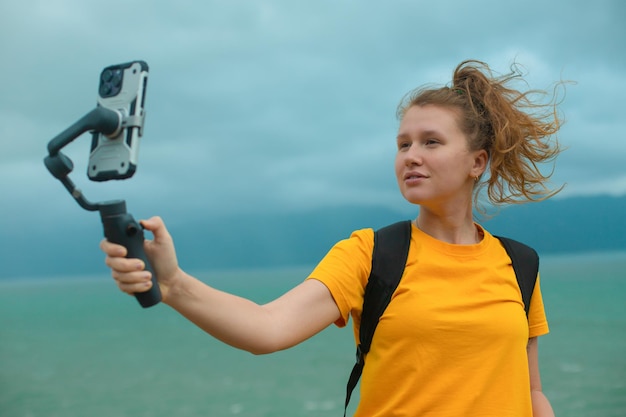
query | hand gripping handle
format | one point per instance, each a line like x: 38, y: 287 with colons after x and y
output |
x: 121, y: 228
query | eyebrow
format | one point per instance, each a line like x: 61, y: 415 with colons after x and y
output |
x: 427, y: 132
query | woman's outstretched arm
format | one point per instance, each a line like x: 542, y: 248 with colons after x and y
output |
x: 292, y: 318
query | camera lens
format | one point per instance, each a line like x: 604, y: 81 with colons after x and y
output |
x: 116, y: 78
x: 107, y: 75
x: 105, y: 89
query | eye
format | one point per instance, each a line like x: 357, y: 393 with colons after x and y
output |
x: 404, y: 145
x: 431, y: 142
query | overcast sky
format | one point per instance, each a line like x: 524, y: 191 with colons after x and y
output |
x: 283, y: 105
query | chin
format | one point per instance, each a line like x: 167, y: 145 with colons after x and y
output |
x: 413, y: 199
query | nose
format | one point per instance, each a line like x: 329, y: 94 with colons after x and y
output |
x: 413, y: 156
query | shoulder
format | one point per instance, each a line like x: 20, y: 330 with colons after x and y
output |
x: 361, y: 240
x: 350, y: 256
x: 345, y: 269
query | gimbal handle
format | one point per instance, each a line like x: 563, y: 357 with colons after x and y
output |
x: 119, y: 226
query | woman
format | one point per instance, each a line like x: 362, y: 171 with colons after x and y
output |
x: 454, y: 340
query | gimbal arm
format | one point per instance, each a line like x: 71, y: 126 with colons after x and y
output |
x: 101, y: 119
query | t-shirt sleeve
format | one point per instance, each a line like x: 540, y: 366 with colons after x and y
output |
x: 345, y: 270
x: 537, y: 322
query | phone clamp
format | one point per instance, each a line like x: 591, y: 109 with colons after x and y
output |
x: 119, y: 226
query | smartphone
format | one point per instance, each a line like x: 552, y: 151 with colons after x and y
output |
x: 122, y: 88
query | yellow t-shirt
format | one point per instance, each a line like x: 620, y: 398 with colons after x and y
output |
x: 452, y: 341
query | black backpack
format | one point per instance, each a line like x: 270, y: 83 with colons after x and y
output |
x: 391, y: 248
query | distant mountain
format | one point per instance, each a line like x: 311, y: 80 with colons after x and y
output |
x: 553, y: 226
x: 566, y: 225
x: 303, y: 238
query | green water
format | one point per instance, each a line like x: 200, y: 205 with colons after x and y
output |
x: 78, y: 347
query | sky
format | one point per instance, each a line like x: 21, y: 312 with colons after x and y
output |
x: 282, y: 105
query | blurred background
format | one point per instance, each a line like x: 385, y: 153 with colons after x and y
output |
x: 270, y: 134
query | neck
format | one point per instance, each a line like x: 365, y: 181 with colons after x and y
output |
x: 452, y: 227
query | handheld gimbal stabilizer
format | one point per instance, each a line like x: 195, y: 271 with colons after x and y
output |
x: 119, y: 226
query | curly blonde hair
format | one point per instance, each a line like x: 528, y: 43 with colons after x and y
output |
x: 517, y: 132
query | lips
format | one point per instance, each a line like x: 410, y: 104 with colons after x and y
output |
x: 411, y: 176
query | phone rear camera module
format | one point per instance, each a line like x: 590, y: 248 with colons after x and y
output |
x: 111, y: 82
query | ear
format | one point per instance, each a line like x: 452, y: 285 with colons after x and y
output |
x: 481, y: 158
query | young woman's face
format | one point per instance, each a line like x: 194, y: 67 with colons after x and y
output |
x: 433, y: 163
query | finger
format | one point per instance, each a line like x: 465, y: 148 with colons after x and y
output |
x: 157, y: 227
x: 133, y: 282
x: 112, y: 249
x: 122, y: 265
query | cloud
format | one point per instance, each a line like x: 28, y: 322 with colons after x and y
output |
x: 279, y: 105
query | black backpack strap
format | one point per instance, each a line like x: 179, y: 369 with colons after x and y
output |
x: 391, y: 248
x: 526, y: 266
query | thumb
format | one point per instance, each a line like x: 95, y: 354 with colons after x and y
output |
x: 156, y: 226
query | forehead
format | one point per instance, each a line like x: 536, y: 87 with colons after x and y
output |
x: 429, y: 119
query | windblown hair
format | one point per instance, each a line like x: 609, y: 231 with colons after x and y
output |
x: 517, y: 132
